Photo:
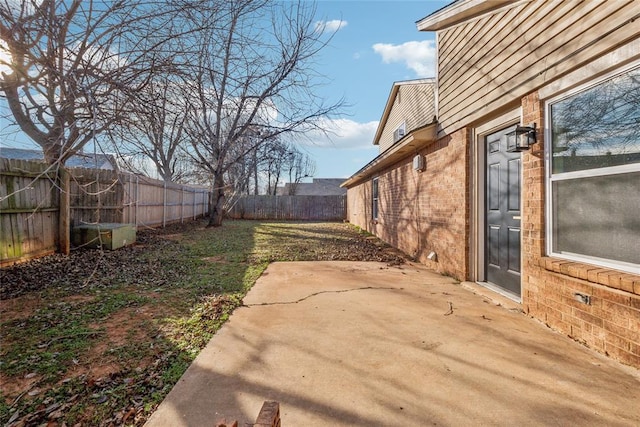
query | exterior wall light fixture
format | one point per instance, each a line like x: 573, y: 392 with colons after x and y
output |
x: 521, y: 139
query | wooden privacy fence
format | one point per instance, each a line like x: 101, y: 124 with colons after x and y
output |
x: 29, y: 200
x: 28, y: 210
x: 316, y: 208
x: 120, y: 197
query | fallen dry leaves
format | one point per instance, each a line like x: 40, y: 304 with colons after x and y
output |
x: 100, y: 337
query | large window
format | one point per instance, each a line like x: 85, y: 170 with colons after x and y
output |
x: 594, y: 174
x: 374, y: 198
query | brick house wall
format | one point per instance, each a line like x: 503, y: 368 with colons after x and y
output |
x: 488, y: 75
x: 420, y: 212
x: 359, y: 205
x: 426, y: 211
x: 610, y: 324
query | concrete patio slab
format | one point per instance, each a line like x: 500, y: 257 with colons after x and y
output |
x: 365, y: 344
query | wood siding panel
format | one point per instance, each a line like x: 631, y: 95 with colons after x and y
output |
x: 507, y: 56
x: 495, y: 26
x: 470, y: 57
x: 414, y: 105
x: 528, y: 49
x: 507, y: 47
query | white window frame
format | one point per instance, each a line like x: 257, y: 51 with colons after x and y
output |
x: 551, y: 178
x: 375, y: 198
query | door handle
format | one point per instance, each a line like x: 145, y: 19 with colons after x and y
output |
x: 517, y: 217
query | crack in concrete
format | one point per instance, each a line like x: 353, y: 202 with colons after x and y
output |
x: 319, y: 293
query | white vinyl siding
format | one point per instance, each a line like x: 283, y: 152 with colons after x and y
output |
x: 413, y: 106
x: 493, y: 61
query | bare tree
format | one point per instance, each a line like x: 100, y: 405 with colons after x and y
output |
x: 300, y: 166
x: 281, y: 160
x: 156, y: 131
x: 254, y: 82
x: 274, y: 156
x: 75, y: 68
x: 241, y: 175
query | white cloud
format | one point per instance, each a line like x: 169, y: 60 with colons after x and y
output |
x: 343, y: 134
x: 419, y: 56
x: 330, y: 26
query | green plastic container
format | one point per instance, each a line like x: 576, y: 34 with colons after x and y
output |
x: 105, y: 236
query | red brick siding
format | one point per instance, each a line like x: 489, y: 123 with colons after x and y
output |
x: 420, y: 212
x: 611, y: 323
x: 359, y: 205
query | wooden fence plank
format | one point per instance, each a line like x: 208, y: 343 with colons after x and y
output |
x: 309, y: 208
x: 29, y: 204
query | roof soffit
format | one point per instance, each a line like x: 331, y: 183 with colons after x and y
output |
x: 410, y: 144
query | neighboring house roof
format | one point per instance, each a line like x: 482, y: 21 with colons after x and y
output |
x: 391, y: 101
x: 457, y: 12
x: 80, y: 160
x: 319, y: 187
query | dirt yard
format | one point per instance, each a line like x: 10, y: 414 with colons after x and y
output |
x: 99, y: 338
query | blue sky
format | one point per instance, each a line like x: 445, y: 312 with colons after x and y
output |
x: 377, y: 43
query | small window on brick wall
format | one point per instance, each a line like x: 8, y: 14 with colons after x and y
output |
x: 593, y: 186
x: 374, y: 198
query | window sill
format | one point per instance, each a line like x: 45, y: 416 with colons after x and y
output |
x: 603, y: 276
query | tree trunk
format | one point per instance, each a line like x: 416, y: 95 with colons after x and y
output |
x: 64, y: 215
x: 217, y: 202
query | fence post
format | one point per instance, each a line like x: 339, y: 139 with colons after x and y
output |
x: 164, y: 205
x: 182, y: 205
x: 64, y: 211
x: 137, y: 198
x: 129, y: 197
x: 98, y: 216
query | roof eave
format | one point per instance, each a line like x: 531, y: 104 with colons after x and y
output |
x: 411, y: 143
x: 459, y: 11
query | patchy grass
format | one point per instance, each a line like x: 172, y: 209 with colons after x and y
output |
x: 100, y: 338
